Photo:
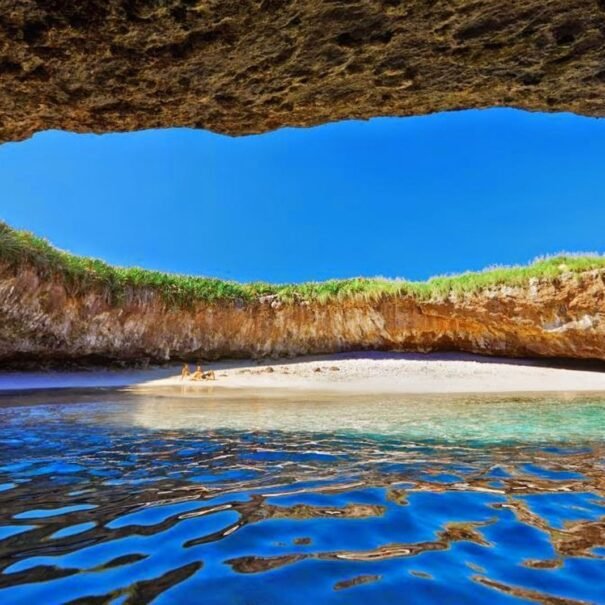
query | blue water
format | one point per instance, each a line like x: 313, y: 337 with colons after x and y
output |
x: 107, y: 497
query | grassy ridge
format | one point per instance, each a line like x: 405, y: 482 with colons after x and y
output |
x: 18, y: 248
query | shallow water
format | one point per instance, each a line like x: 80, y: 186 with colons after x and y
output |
x: 107, y: 497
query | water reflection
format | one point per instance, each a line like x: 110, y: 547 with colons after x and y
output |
x: 131, y: 499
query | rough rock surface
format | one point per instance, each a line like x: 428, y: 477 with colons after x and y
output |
x: 40, y: 320
x: 244, y: 66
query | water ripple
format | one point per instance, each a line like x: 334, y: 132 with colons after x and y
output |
x: 94, y: 509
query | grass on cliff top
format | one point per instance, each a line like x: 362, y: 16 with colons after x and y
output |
x: 20, y: 248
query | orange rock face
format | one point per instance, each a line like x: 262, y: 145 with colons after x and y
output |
x: 244, y: 66
x: 40, y: 320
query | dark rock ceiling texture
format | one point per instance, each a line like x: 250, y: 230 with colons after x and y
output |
x: 248, y: 66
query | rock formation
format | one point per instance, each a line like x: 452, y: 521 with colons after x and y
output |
x: 247, y: 66
x: 41, y: 320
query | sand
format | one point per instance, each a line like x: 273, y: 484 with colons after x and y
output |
x: 364, y: 372
x: 397, y: 373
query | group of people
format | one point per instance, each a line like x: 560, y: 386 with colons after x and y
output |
x: 199, y: 374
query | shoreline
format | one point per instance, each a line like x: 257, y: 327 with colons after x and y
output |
x: 345, y: 373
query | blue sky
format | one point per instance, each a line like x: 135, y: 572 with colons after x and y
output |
x: 408, y: 197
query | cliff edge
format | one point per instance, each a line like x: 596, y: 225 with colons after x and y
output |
x: 56, y: 306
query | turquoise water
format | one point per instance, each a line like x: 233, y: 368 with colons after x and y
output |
x: 107, y: 497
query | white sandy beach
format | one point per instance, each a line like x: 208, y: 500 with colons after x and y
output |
x: 363, y: 372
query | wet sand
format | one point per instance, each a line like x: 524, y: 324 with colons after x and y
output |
x: 362, y: 372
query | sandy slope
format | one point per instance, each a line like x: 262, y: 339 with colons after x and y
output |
x: 357, y: 372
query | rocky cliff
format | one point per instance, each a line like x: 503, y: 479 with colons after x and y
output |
x: 40, y: 320
x: 243, y: 66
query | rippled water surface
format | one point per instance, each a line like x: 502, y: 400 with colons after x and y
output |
x: 107, y: 497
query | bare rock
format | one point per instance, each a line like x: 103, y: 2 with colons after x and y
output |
x: 246, y: 67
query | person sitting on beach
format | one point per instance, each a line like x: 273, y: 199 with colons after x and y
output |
x: 209, y: 375
x: 185, y: 372
x: 198, y: 374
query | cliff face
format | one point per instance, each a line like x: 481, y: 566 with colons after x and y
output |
x: 242, y: 66
x: 40, y: 320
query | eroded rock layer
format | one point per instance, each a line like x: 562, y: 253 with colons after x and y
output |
x: 41, y: 320
x: 244, y: 66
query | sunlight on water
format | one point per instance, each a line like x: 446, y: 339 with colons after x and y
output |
x: 121, y: 498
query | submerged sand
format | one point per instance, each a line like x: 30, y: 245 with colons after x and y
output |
x: 364, y: 372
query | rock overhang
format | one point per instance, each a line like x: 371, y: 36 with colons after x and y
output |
x: 249, y: 66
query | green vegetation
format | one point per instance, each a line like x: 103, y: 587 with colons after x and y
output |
x: 20, y: 248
